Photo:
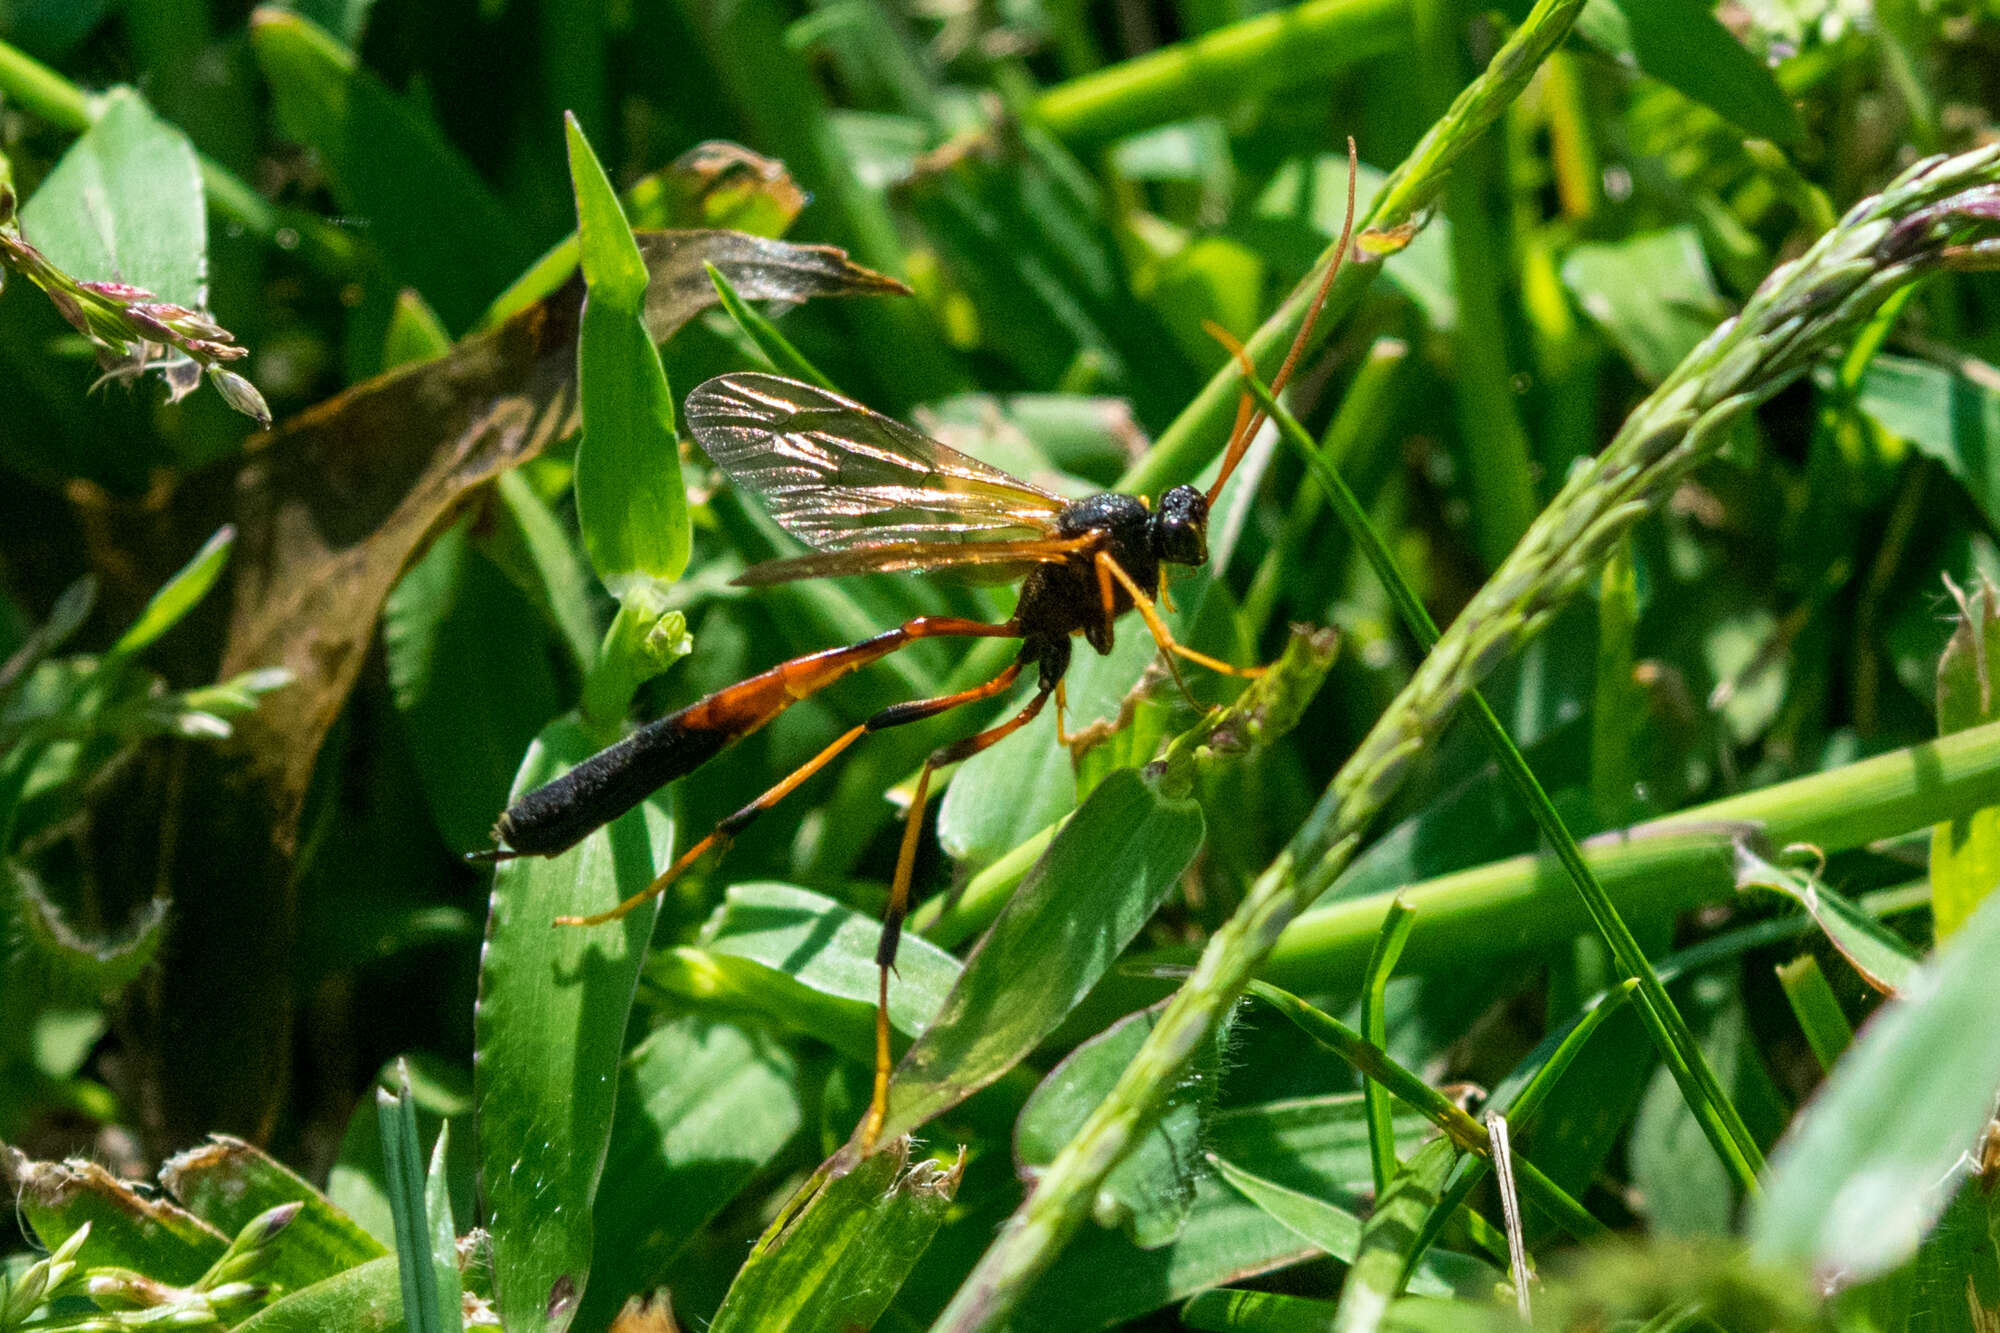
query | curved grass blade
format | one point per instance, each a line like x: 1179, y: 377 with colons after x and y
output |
x: 1386, y: 1253
x: 776, y: 347
x: 404, y: 1175
x: 549, y: 1030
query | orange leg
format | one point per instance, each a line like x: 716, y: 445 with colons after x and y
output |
x: 899, y: 896
x: 1111, y: 569
x: 725, y: 832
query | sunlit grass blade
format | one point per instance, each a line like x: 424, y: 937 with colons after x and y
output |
x: 1375, y: 1027
x: 404, y: 1173
x: 784, y: 358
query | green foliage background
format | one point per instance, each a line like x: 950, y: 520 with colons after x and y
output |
x: 1072, y: 190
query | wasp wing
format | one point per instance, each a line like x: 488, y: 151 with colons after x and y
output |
x: 840, y: 477
x: 983, y: 561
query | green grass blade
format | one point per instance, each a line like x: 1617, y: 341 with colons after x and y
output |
x: 784, y: 358
x: 548, y: 1035
x: 180, y: 594
x: 443, y: 1234
x: 1305, y: 44
x: 835, y: 1261
x: 1377, y: 1276
x: 629, y: 497
x: 1375, y: 1027
x: 1817, y: 1008
x: 402, y: 1158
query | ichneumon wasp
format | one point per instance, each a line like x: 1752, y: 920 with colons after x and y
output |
x: 871, y: 495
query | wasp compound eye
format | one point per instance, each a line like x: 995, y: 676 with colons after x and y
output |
x: 1180, y: 528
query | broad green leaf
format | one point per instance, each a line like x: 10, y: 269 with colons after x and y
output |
x: 1871, y: 1162
x: 367, y: 1299
x: 469, y: 673
x: 1149, y: 1193
x: 1652, y: 294
x: 452, y: 240
x: 837, y: 1262
x: 1943, y: 413
x: 548, y: 1034
x: 1378, y: 1275
x: 127, y: 1229
x: 180, y: 594
x: 629, y: 497
x: 1965, y: 853
x: 1683, y: 45
x: 809, y: 962
x: 125, y: 204
x: 227, y: 1182
x: 703, y: 1105
x: 1102, y: 1279
x: 1101, y: 880
x: 45, y: 936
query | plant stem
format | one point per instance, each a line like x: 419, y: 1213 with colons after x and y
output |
x: 1287, y: 48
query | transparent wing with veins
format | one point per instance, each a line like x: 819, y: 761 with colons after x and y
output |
x: 861, y: 487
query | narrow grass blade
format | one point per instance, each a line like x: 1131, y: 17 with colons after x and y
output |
x: 1302, y: 45
x: 1817, y: 1008
x: 1102, y: 879
x: 784, y: 358
x: 180, y: 594
x: 443, y: 1236
x: 1377, y: 1277
x: 402, y: 1159
x: 1375, y: 1027
x: 1459, y: 1128
x: 837, y: 1261
x: 548, y: 1034
x: 1870, y: 1164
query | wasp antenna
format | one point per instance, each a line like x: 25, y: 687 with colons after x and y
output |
x: 1248, y: 421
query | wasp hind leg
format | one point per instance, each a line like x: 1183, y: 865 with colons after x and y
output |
x: 899, y: 890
